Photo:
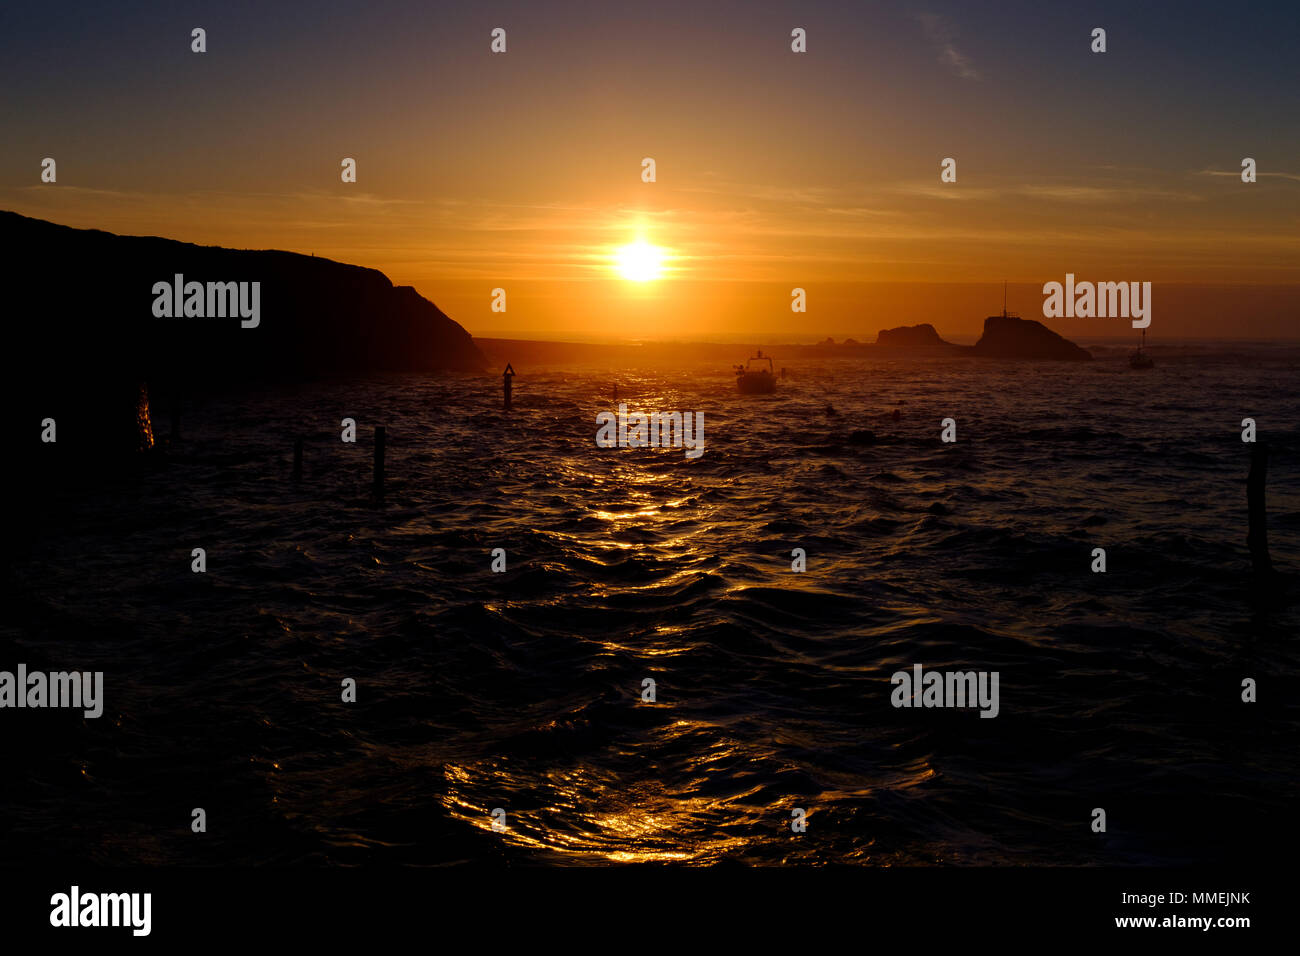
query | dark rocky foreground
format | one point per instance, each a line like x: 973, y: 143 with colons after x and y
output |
x: 83, y: 339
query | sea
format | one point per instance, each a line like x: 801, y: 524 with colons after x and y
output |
x: 532, y: 650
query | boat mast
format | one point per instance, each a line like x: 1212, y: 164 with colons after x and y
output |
x: 1004, y: 298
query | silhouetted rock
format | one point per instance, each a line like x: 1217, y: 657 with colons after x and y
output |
x: 1010, y: 337
x: 84, y: 338
x: 914, y: 338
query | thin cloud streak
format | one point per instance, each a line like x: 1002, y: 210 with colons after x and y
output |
x: 942, y: 32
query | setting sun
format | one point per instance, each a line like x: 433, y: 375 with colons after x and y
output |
x: 640, y: 261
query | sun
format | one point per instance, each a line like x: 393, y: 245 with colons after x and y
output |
x: 640, y: 261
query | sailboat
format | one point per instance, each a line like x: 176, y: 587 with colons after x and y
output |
x: 1140, y: 358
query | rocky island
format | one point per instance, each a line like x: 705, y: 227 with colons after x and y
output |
x: 1011, y: 337
x: 915, y: 339
x: 1005, y: 336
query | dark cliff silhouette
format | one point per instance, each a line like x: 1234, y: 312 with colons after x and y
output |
x: 83, y: 339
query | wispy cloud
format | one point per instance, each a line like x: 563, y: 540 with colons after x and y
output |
x: 950, y: 193
x: 1067, y: 193
x: 1106, y: 194
x: 942, y: 32
x: 1236, y: 174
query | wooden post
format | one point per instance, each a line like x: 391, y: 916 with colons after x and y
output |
x: 380, y: 436
x: 297, y: 459
x: 507, y: 378
x: 1257, y: 536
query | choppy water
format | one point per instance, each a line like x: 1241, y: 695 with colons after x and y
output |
x: 522, y: 690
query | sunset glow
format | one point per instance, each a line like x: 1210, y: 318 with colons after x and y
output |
x: 640, y: 261
x: 785, y: 174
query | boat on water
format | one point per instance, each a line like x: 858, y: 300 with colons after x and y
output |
x: 1141, y: 358
x: 753, y: 378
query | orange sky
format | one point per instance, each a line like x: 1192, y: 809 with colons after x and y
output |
x: 774, y: 170
x: 899, y: 255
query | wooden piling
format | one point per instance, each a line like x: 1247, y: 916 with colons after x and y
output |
x: 1257, y: 536
x: 381, y: 437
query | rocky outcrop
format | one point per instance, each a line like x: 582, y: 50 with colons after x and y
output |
x: 1010, y: 337
x: 914, y: 339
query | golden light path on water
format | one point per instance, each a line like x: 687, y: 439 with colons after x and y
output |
x: 589, y: 814
x: 688, y: 789
x: 644, y: 823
